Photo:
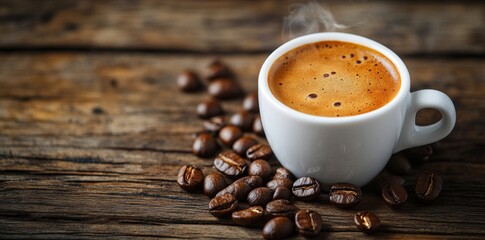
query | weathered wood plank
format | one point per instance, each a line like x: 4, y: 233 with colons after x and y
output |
x: 420, y: 27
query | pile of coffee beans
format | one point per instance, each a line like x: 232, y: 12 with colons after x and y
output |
x: 248, y: 189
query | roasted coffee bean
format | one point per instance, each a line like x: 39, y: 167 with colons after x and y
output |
x: 259, y: 151
x: 223, y: 205
x: 190, y: 178
x: 428, y: 186
x: 250, y: 102
x: 399, y: 165
x: 258, y: 126
x: 253, y: 181
x: 394, y: 195
x: 214, y: 183
x: 188, y: 81
x: 214, y: 124
x: 239, y: 189
x: 223, y: 88
x: 243, y: 119
x: 260, y: 168
x: 230, y: 164
x: 306, y: 188
x: 384, y: 179
x: 367, y: 222
x: 217, y: 69
x: 260, y: 196
x: 345, y: 195
x: 209, y: 108
x: 419, y: 154
x: 278, y: 228
x: 248, y: 216
x: 229, y: 134
x: 241, y: 145
x: 282, y: 193
x: 205, y: 145
x: 280, y: 182
x: 282, y: 208
x: 283, y: 173
x: 308, y: 223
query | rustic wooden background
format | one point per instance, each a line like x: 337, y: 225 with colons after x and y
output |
x: 93, y: 129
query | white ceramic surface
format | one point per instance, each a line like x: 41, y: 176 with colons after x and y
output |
x: 350, y: 149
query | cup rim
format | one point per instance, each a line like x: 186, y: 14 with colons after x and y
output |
x: 263, y: 85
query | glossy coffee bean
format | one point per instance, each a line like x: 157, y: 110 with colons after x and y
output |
x: 223, y: 205
x: 367, y: 222
x: 243, y: 120
x: 308, y: 223
x: 253, y: 181
x: 281, y: 207
x: 419, y: 154
x: 260, y: 196
x: 345, y: 195
x: 260, y: 168
x: 394, y: 195
x: 282, y: 193
x: 214, y: 183
x: 283, y: 173
x: 398, y: 165
x: 229, y: 134
x: 217, y: 69
x: 223, y: 88
x: 205, y: 145
x: 209, y: 108
x: 258, y: 126
x: 241, y: 145
x: 306, y: 188
x: 259, y: 151
x: 384, y: 179
x: 248, y: 216
x: 190, y: 178
x: 278, y: 228
x: 188, y: 81
x: 214, y: 124
x: 240, y: 190
x: 230, y: 164
x: 280, y: 182
x: 250, y: 102
x: 428, y: 186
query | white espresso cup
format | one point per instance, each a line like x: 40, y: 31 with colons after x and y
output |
x: 350, y: 149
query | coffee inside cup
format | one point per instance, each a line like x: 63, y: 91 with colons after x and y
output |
x: 334, y: 79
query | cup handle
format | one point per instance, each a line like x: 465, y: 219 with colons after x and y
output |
x: 413, y: 135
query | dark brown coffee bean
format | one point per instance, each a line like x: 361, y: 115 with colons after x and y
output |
x: 260, y: 168
x: 190, y: 178
x: 281, y: 208
x: 282, y: 193
x: 214, y: 183
x: 399, y: 165
x: 223, y: 88
x: 214, y: 124
x: 258, y: 126
x: 428, y: 186
x: 283, y: 173
x: 209, y: 108
x: 384, y: 179
x: 253, y: 181
x: 229, y: 134
x: 241, y: 145
x: 278, y: 228
x: 188, y: 81
x: 259, y: 151
x: 419, y: 154
x: 250, y: 102
x: 205, y: 145
x: 345, y: 195
x: 248, y: 216
x: 394, y: 195
x: 260, y: 196
x: 223, y: 205
x: 230, y: 164
x: 308, y: 223
x: 306, y: 188
x: 280, y: 182
x: 243, y: 119
x: 217, y: 69
x: 240, y: 190
x: 367, y: 222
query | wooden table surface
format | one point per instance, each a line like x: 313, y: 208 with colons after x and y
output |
x: 93, y: 129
